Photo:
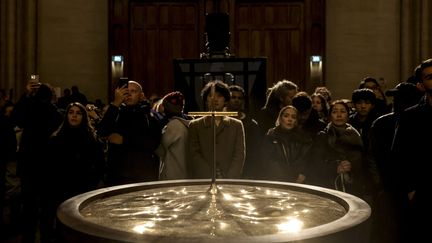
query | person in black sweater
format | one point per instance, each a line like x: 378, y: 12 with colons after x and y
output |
x: 76, y: 163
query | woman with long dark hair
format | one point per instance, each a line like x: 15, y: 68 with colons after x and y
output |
x: 76, y: 161
x: 336, y: 157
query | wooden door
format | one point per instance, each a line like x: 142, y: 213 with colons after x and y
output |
x: 160, y: 32
x: 151, y: 33
x: 274, y: 30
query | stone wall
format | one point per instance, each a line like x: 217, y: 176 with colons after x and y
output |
x: 72, y: 45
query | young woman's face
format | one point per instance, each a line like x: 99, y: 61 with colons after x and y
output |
x: 288, y: 119
x: 74, y: 116
x: 339, y: 115
x: 316, y: 103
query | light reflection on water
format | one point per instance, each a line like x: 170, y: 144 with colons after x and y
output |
x: 236, y: 210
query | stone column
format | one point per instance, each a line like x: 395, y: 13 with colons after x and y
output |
x: 416, y: 33
x: 18, y: 44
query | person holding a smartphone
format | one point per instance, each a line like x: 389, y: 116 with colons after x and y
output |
x: 38, y: 118
x: 133, y: 134
x: 33, y: 84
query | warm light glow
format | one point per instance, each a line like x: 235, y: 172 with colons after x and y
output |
x: 150, y: 210
x: 193, y: 211
x: 143, y: 227
x: 273, y: 193
x: 291, y: 226
x: 223, y: 225
x: 184, y: 191
x: 227, y: 197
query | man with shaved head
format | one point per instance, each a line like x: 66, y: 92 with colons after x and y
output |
x: 133, y: 133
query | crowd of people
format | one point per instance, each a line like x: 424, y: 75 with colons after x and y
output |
x: 362, y: 145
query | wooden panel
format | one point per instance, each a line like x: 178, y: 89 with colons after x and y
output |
x: 282, y: 15
x: 177, y: 15
x: 190, y: 15
x: 135, y: 63
x: 118, y: 40
x: 164, y: 15
x: 282, y: 45
x: 269, y: 15
x: 159, y: 32
x: 275, y: 30
x: 314, y: 37
x: 269, y: 52
x: 150, y: 50
x: 150, y: 33
x: 296, y: 51
x: 119, y: 11
x: 242, y: 16
x: 243, y: 49
x: 296, y: 14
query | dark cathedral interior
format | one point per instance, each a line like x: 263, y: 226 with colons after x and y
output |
x: 214, y: 120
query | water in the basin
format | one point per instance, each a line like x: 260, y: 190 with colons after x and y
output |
x: 235, y: 210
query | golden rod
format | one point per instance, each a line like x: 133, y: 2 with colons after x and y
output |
x: 211, y: 113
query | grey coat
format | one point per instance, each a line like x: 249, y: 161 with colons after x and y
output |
x: 172, y: 150
x: 230, y: 148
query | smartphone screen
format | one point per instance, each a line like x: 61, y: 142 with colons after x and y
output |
x: 122, y: 82
x: 34, y: 77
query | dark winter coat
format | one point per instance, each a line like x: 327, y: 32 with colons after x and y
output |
x: 331, y: 146
x: 283, y: 154
x: 134, y: 160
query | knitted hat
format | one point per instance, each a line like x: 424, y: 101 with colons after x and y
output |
x: 173, y: 103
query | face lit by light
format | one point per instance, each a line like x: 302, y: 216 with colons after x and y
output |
x: 215, y: 101
x: 316, y: 103
x: 74, y: 116
x: 236, y: 101
x: 363, y: 107
x: 339, y: 115
x: 292, y: 225
x: 135, y: 94
x: 288, y: 118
